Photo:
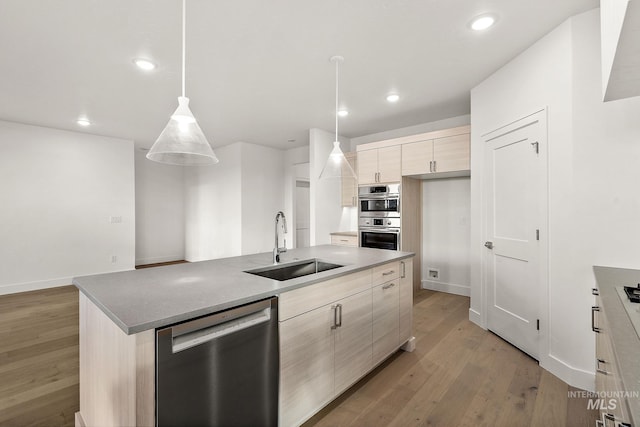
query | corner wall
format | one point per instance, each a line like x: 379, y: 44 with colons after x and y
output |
x: 593, y: 171
x: 59, y: 192
x: 230, y: 207
x: 159, y: 211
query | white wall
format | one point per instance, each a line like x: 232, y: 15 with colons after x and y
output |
x: 446, y: 213
x: 262, y: 196
x: 213, y: 207
x: 59, y: 190
x: 327, y: 214
x: 159, y: 211
x: 593, y: 174
x: 230, y: 207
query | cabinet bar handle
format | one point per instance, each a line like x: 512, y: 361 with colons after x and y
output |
x: 404, y: 270
x: 593, y: 318
x: 390, y: 285
x: 435, y: 166
x: 595, y: 291
x: 598, y: 369
x: 335, y: 316
x: 340, y: 316
x: 388, y: 273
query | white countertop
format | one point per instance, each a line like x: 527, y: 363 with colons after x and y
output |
x: 149, y: 298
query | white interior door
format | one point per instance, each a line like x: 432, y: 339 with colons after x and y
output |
x: 513, y: 219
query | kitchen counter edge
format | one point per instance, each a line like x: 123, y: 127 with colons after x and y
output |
x: 89, y: 285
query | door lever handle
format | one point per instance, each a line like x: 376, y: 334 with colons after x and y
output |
x: 488, y: 245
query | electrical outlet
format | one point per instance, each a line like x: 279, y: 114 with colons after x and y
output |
x: 434, y: 274
x: 114, y: 259
x: 115, y: 219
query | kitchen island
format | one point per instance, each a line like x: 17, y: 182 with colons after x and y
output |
x: 120, y: 312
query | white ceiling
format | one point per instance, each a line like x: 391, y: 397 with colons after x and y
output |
x: 257, y: 70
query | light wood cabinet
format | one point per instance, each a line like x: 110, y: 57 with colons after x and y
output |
x: 380, y: 165
x: 406, y: 300
x: 344, y: 240
x: 332, y: 334
x: 386, y: 321
x: 438, y: 155
x: 353, y: 357
x: 350, y: 184
x: 306, y: 365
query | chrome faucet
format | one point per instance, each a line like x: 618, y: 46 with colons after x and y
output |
x: 278, y: 250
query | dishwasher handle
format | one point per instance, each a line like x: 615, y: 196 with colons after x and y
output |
x: 193, y: 333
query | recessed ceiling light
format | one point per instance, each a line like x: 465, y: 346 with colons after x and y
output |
x: 83, y: 122
x: 343, y: 113
x: 144, y: 64
x: 483, y: 22
x: 393, y: 97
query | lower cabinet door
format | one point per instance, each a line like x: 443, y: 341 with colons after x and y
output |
x: 386, y: 332
x: 306, y: 364
x: 353, y: 357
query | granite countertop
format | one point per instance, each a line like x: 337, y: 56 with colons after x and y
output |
x: 345, y: 233
x: 626, y: 344
x: 149, y: 298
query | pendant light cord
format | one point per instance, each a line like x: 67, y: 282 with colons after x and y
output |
x: 337, y: 61
x: 184, y: 45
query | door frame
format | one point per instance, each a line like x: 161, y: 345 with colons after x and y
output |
x: 540, y: 115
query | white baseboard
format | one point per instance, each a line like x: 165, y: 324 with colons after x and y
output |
x: 475, y: 317
x: 447, y: 287
x: 155, y: 260
x: 14, y: 288
x: 573, y: 376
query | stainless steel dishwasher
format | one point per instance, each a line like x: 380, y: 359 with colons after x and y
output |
x: 220, y: 370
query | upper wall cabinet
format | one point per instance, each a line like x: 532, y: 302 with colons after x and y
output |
x: 349, y: 184
x: 439, y: 154
x: 447, y: 154
x: 377, y: 165
x: 619, y: 28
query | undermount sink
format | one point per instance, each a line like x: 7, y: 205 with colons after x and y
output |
x: 295, y: 269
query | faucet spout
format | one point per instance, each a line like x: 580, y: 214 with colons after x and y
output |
x: 277, y: 250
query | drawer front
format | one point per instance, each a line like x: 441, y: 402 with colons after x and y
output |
x: 344, y: 240
x: 384, y: 273
x: 305, y: 299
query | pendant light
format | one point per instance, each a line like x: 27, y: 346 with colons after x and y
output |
x: 182, y: 141
x: 337, y: 165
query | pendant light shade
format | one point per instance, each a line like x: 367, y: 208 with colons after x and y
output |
x: 182, y: 142
x: 337, y: 165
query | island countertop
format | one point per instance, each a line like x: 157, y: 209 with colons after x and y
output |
x: 149, y: 298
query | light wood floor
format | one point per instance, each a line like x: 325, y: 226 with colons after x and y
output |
x: 459, y: 375
x: 39, y: 363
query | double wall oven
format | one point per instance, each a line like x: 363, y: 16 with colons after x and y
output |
x: 379, y: 216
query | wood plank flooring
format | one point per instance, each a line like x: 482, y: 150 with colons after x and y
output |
x: 459, y: 375
x: 39, y: 362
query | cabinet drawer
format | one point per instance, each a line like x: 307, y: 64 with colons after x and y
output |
x: 305, y: 299
x: 384, y: 273
x: 341, y: 240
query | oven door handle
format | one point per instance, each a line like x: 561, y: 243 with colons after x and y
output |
x: 380, y: 230
x: 382, y: 197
